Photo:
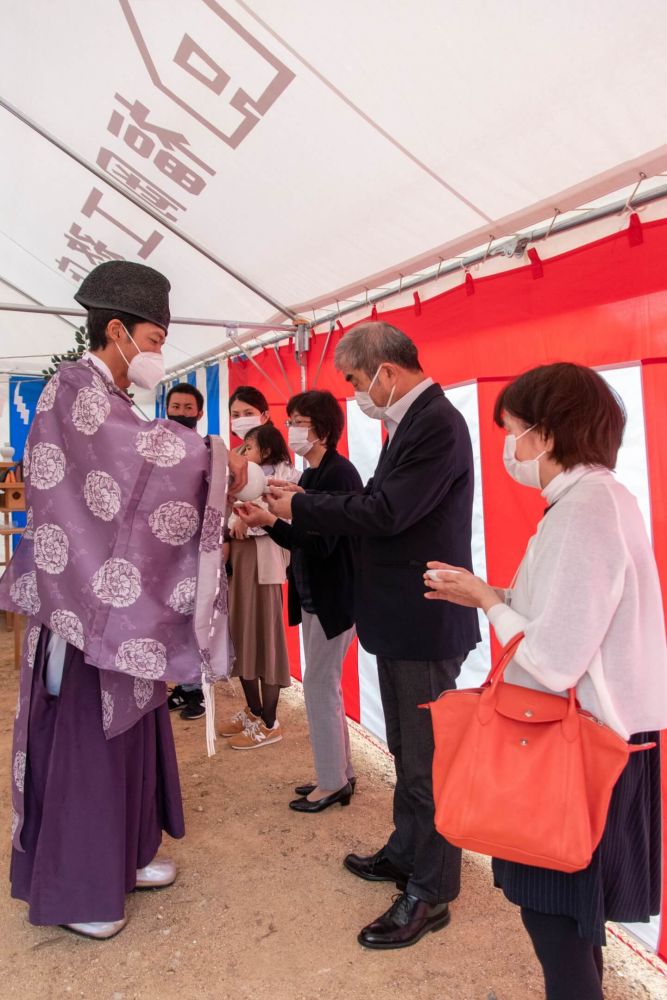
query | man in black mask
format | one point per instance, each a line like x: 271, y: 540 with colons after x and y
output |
x: 185, y: 405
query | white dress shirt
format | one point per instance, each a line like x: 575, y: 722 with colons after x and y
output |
x: 101, y: 366
x: 395, y: 413
x: 587, y: 597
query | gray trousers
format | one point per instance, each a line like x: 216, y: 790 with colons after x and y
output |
x: 415, y: 846
x: 323, y: 694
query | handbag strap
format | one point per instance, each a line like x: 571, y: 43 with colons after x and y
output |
x: 570, y: 722
x: 506, y: 654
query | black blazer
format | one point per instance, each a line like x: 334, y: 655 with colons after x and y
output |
x: 327, y: 558
x: 417, y: 507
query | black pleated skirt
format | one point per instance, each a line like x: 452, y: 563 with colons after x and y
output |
x: 623, y: 880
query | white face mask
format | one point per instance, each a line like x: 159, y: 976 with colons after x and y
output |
x: 366, y: 404
x: 146, y: 369
x: 297, y: 439
x: 241, y: 425
x: 526, y: 472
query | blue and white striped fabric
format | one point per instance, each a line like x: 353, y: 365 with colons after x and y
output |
x: 212, y: 381
x: 160, y: 401
x: 212, y: 396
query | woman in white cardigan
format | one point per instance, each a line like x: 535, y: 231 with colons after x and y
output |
x: 587, y: 598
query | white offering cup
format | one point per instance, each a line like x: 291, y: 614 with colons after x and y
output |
x: 255, y: 486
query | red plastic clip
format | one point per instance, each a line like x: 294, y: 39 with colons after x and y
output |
x: 374, y: 312
x: 635, y: 234
x: 418, y: 304
x: 340, y: 326
x: 470, y: 284
x: 535, y: 263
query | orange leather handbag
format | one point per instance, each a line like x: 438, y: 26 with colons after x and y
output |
x: 523, y: 775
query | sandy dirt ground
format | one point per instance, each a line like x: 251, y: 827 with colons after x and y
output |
x: 263, y: 909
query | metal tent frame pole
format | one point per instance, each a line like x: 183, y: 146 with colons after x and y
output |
x: 125, y: 193
x: 222, y: 353
x: 284, y: 332
x: 508, y: 247
x: 232, y: 324
x: 32, y: 299
x: 513, y: 246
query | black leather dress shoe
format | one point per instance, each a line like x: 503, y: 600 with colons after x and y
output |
x: 307, y: 789
x: 404, y: 923
x: 376, y: 868
x: 303, y: 805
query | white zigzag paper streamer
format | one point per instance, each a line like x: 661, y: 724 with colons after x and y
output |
x: 21, y: 408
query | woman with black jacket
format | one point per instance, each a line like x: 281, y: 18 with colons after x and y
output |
x: 319, y: 595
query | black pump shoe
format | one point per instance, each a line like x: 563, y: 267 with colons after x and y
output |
x: 307, y: 789
x: 343, y: 795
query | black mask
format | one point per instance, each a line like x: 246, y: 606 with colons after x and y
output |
x: 190, y: 422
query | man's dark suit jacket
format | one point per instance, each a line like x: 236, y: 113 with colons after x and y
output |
x: 327, y: 559
x: 417, y: 507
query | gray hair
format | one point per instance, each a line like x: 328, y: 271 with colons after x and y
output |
x: 369, y: 345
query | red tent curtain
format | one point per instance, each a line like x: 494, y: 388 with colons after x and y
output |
x: 602, y: 304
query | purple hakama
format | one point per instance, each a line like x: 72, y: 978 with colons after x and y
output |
x: 95, y: 808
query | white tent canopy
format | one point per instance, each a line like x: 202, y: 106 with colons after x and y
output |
x: 285, y: 158
x: 314, y: 149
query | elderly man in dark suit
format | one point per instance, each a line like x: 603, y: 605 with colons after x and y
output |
x: 417, y: 507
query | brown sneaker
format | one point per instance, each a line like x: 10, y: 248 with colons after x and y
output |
x: 256, y: 735
x: 238, y: 722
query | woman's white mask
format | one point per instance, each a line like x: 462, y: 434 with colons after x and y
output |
x: 526, y: 472
x: 297, y: 439
x: 241, y: 425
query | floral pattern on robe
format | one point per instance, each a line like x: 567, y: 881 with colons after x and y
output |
x: 113, y: 562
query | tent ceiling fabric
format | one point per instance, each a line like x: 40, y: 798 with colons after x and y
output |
x: 316, y: 148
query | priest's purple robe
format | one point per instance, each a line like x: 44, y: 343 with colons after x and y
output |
x: 122, y: 553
